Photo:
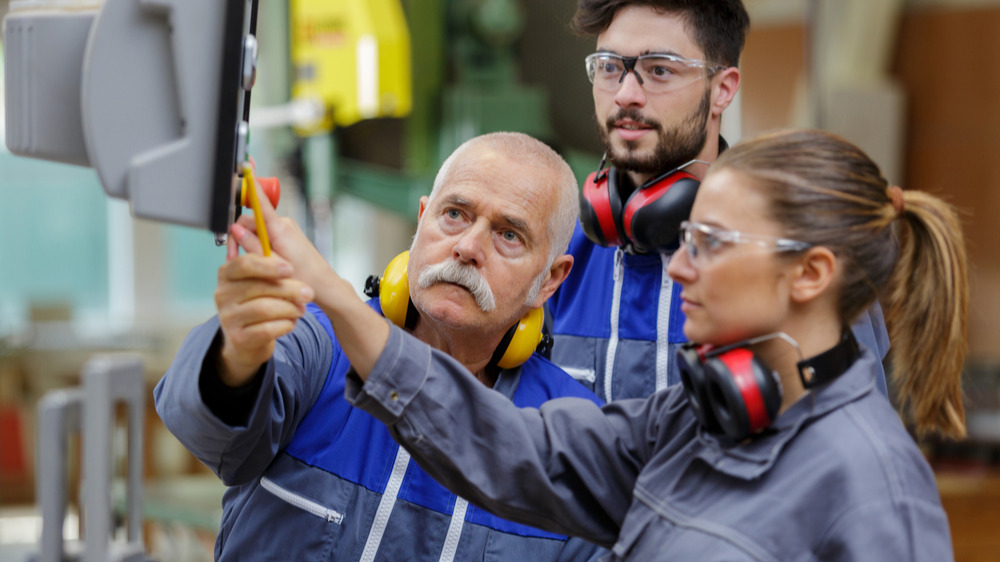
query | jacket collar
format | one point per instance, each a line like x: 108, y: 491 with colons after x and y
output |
x: 753, y: 457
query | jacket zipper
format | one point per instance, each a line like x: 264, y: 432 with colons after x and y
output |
x: 663, y: 325
x: 385, y: 505
x: 300, y: 502
x: 609, y: 364
x: 454, y: 531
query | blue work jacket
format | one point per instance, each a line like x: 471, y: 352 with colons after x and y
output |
x: 616, y: 322
x: 312, y: 478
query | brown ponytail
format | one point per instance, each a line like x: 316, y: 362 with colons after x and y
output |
x: 903, y: 247
x: 926, y: 306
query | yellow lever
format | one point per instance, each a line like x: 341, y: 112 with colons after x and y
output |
x: 258, y: 216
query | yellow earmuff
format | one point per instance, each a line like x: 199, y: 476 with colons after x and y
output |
x: 527, y: 336
x: 393, y: 290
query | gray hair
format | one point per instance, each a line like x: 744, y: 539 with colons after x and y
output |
x: 524, y: 148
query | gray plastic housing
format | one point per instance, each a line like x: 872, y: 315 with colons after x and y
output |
x: 43, y: 54
x: 150, y: 93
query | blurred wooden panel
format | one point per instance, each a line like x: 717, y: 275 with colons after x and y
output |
x: 972, y: 502
x: 947, y: 64
x: 947, y: 61
x: 772, y: 62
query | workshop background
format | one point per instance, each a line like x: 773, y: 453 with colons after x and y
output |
x: 916, y: 83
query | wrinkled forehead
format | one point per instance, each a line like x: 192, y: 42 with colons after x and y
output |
x: 526, y: 191
x: 500, y: 175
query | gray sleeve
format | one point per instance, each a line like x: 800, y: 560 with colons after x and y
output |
x: 576, y: 549
x: 906, y: 530
x: 568, y: 467
x: 292, y: 380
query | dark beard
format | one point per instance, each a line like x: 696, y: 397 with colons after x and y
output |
x: 674, y: 148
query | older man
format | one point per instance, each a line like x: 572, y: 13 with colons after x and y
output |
x: 257, y: 393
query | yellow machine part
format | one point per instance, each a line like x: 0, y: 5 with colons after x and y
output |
x: 354, y: 56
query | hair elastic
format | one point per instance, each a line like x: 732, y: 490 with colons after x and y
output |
x: 895, y: 194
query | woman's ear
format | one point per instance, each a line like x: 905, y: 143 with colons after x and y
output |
x: 815, y: 273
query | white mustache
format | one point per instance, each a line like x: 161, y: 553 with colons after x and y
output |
x: 467, y: 276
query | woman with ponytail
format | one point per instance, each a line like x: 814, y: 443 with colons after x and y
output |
x: 778, y: 446
x: 903, y: 247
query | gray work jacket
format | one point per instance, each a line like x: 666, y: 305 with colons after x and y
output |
x: 837, y: 477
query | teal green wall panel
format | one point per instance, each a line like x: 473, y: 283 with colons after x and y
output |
x: 192, y: 266
x: 53, y: 236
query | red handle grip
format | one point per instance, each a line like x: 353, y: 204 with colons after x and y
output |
x: 271, y: 188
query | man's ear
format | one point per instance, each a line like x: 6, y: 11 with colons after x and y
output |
x: 558, y: 272
x: 815, y: 273
x: 423, y: 207
x: 724, y: 86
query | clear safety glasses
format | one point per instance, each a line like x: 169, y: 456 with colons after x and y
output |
x: 657, y: 73
x: 705, y: 242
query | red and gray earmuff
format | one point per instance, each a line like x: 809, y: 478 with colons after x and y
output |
x: 393, y: 291
x: 650, y: 218
x: 735, y: 393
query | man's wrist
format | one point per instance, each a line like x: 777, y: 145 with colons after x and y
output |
x: 230, y: 370
x: 232, y: 405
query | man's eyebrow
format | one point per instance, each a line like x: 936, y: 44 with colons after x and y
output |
x: 646, y: 52
x: 457, y: 200
x: 518, y: 224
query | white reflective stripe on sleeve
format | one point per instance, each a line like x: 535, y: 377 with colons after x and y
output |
x: 454, y: 531
x: 385, y: 505
x: 663, y: 325
x: 609, y: 362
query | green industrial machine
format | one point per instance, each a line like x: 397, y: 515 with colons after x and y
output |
x: 464, y: 82
x: 486, y: 93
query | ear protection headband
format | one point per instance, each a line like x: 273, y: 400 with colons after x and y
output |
x: 393, y: 291
x: 649, y: 219
x: 735, y: 393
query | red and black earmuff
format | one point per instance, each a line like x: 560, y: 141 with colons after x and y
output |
x: 735, y: 393
x: 648, y: 220
x: 393, y: 292
x: 730, y: 390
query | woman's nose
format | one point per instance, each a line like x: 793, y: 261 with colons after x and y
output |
x: 680, y: 268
